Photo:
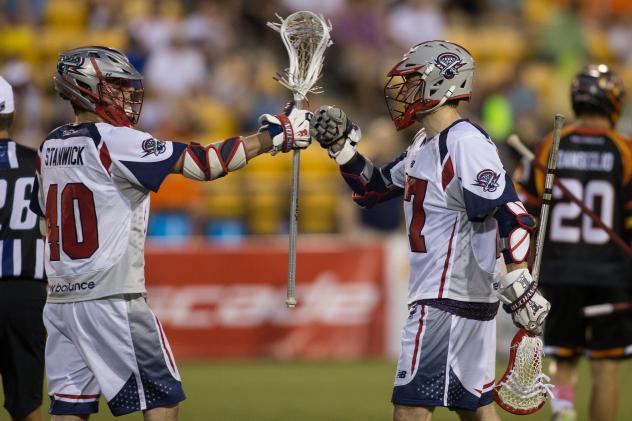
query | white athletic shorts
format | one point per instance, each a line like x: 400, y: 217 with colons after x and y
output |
x: 113, y: 346
x: 446, y: 360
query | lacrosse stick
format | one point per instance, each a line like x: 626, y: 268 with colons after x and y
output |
x: 514, y: 142
x: 547, y: 196
x: 306, y: 37
x: 523, y: 388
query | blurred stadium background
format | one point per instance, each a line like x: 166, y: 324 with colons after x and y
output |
x: 216, y: 252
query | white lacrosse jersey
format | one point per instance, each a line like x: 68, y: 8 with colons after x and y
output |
x: 451, y: 184
x: 92, y: 185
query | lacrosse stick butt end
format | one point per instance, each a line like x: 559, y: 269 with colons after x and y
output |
x: 290, y: 302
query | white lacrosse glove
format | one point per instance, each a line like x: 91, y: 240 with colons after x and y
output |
x: 329, y: 126
x: 522, y: 299
x: 288, y: 130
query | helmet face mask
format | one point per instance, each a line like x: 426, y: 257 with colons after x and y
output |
x: 103, y: 81
x: 404, y: 99
x: 597, y: 90
x: 428, y: 75
x: 121, y: 100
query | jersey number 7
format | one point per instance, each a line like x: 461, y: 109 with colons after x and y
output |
x: 416, y: 189
x: 79, y: 234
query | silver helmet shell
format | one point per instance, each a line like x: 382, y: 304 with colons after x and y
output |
x: 428, y: 75
x: 103, y: 81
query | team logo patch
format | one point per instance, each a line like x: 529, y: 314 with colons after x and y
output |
x: 488, y: 180
x: 449, y: 63
x: 153, y: 146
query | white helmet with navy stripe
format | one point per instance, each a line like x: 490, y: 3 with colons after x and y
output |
x: 429, y: 75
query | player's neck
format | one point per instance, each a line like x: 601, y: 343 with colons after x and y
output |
x: 439, y: 120
x: 4, y: 134
x: 594, y: 122
x: 88, y: 117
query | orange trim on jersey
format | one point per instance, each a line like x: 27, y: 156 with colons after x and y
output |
x: 625, y: 149
x: 566, y: 352
x: 623, y: 144
x: 607, y: 353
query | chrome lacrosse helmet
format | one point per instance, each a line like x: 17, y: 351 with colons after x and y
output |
x: 597, y: 89
x: 428, y: 75
x: 103, y: 81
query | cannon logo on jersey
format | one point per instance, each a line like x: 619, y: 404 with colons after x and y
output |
x: 153, y: 146
x: 488, y: 180
x: 449, y: 63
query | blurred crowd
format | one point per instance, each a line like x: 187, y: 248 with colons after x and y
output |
x: 209, y: 68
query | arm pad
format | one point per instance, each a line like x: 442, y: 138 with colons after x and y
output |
x: 214, y: 161
x: 515, y: 226
x: 370, y: 185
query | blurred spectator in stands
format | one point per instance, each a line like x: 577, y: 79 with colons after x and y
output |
x: 209, y: 28
x: 177, y: 69
x: 325, y: 7
x: 415, y: 21
x: 24, y: 11
x: 619, y: 36
x: 28, y: 102
x: 359, y: 34
x: 155, y: 30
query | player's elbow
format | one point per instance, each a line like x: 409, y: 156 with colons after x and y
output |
x: 214, y: 161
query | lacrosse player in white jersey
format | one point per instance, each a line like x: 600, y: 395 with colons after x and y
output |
x: 92, y: 186
x: 458, y: 201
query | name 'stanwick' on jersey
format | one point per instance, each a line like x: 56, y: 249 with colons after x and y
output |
x: 63, y: 155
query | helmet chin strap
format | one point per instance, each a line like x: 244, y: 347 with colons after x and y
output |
x: 446, y: 96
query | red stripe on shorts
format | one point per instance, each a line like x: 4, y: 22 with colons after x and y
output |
x: 447, y: 261
x: 164, y: 345
x: 422, y: 313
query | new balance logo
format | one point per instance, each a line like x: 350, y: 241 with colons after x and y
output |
x: 62, y: 289
x: 401, y: 374
x: 302, y: 133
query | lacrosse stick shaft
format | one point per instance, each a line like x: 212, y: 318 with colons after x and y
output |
x: 290, y: 300
x: 547, y: 196
x: 514, y: 142
x: 606, y: 308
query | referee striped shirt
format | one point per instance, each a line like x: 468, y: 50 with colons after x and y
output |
x: 21, y: 244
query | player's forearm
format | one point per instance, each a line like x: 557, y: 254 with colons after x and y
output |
x: 257, y: 143
x: 515, y: 266
x: 370, y: 185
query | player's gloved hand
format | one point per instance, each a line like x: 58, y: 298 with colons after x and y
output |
x: 288, y: 130
x: 335, y: 132
x: 522, y: 299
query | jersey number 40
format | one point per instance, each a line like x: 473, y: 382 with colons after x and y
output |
x: 79, y: 234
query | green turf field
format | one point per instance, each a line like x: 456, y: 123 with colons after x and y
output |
x: 312, y: 391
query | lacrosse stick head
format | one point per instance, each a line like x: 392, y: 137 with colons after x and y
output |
x: 305, y: 36
x: 523, y: 388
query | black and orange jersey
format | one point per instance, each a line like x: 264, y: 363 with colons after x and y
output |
x: 596, y: 166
